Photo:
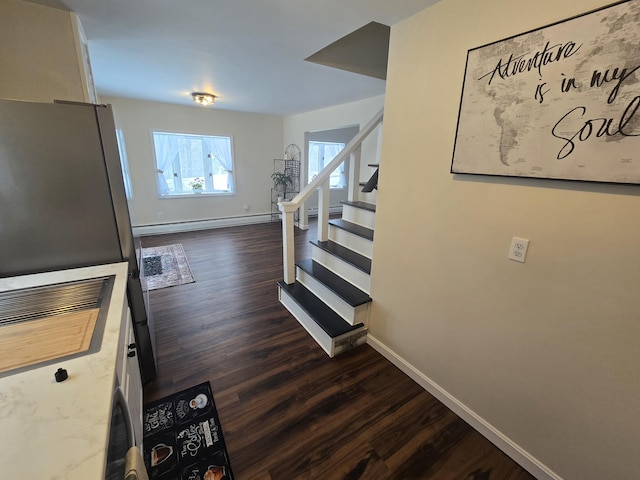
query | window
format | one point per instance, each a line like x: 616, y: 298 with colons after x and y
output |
x: 183, y: 160
x: 320, y: 154
x: 124, y: 162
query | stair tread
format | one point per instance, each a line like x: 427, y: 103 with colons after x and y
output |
x: 363, y: 205
x: 358, y: 261
x: 332, y: 323
x: 354, y: 228
x: 345, y: 290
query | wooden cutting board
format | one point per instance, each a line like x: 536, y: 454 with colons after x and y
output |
x: 36, y: 341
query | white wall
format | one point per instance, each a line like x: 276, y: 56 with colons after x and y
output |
x: 38, y: 57
x: 345, y: 115
x: 257, y: 140
x: 546, y: 352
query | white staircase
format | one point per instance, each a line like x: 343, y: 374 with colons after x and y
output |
x: 329, y: 293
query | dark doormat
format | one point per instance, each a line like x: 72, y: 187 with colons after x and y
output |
x: 183, y: 439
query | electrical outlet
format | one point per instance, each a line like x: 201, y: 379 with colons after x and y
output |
x: 160, y: 215
x: 246, y: 208
x: 518, y: 250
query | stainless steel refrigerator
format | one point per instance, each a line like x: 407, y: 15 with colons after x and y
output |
x: 63, y: 203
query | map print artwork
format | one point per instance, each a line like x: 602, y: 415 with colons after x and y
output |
x: 560, y: 102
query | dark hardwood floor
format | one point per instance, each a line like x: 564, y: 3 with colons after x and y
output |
x: 287, y: 410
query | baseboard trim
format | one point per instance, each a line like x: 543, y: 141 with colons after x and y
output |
x: 179, y: 227
x: 518, y: 454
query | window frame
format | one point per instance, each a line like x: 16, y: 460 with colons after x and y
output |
x: 208, y: 171
x: 124, y: 163
x: 342, y: 168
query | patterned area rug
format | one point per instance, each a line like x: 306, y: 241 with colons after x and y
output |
x: 166, y: 266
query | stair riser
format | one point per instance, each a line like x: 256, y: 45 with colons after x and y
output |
x: 358, y: 244
x: 369, y: 197
x: 366, y: 218
x: 352, y: 315
x: 345, y: 343
x: 351, y: 274
x: 332, y: 346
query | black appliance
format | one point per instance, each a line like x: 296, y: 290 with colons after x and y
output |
x: 63, y: 203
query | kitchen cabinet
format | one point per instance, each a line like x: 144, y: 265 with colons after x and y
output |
x: 61, y: 429
x: 128, y: 375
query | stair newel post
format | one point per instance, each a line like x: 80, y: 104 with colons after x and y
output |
x: 354, y: 174
x: 303, y: 217
x: 323, y: 211
x: 288, y: 243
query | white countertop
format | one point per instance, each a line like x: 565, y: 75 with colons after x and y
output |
x: 60, y: 430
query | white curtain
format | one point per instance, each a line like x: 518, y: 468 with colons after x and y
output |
x: 166, y: 152
x: 220, y: 151
x: 330, y: 152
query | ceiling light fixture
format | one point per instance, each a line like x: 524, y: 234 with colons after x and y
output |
x: 203, y: 98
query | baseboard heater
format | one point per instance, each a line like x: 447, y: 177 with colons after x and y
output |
x: 313, y: 212
x: 189, y: 226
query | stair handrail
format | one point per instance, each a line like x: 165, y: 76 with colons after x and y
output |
x: 323, y: 176
x: 320, y: 183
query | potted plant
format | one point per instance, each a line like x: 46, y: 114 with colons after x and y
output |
x: 281, y: 180
x: 197, y: 184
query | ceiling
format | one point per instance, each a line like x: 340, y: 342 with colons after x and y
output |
x: 250, y: 53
